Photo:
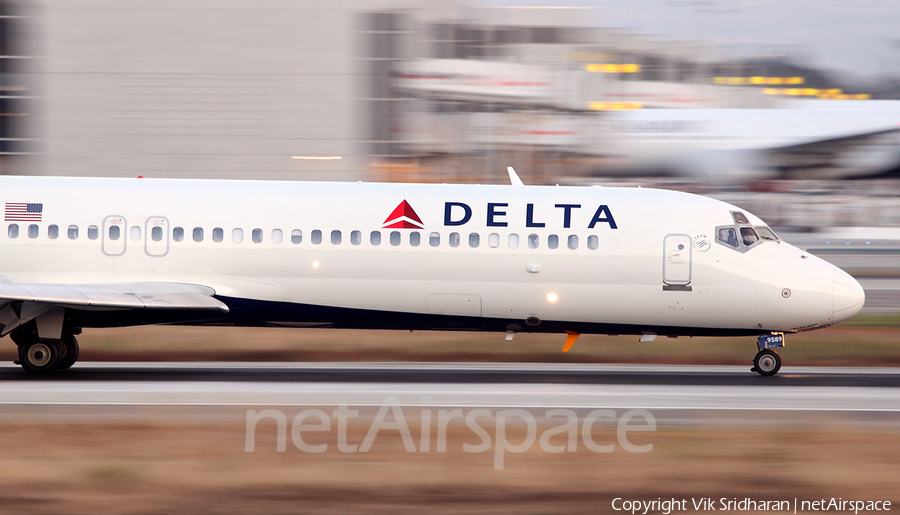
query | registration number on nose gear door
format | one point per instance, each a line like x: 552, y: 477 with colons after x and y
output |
x: 770, y: 341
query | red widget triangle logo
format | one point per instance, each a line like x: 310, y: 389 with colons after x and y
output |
x: 403, y: 217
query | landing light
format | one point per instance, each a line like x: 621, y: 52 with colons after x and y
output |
x: 315, y: 264
x: 552, y: 297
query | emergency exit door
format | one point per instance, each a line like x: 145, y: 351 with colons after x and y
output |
x: 114, y: 235
x: 677, y: 262
x: 157, y: 236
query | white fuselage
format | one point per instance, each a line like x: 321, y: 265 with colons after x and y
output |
x: 625, y: 272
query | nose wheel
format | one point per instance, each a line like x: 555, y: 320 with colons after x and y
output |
x: 766, y: 363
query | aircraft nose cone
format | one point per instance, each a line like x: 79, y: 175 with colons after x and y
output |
x: 848, y: 296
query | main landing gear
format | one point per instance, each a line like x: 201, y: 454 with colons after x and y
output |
x: 41, y: 355
x: 767, y: 362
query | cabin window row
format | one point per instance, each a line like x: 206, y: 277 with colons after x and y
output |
x: 34, y: 230
x: 395, y: 238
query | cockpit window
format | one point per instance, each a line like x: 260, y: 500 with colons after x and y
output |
x: 727, y: 236
x: 748, y: 236
x: 741, y: 236
x: 766, y: 233
x: 739, y: 218
x: 743, y: 239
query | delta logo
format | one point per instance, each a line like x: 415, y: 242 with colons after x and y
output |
x: 457, y: 214
x: 403, y: 217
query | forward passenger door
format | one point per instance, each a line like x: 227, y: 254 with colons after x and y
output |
x: 677, y: 262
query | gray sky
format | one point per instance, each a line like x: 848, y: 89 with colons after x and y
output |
x: 860, y: 37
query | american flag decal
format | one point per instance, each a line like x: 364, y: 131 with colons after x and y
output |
x: 23, y: 212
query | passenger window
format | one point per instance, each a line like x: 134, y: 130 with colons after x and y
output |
x: 156, y: 234
x: 553, y: 241
x: 316, y: 237
x: 434, y: 239
x: 375, y: 238
x: 748, y: 236
x: 296, y: 236
x: 93, y: 232
x: 395, y: 238
x: 53, y: 232
x: 453, y: 239
x: 277, y: 236
x: 198, y: 234
x: 513, y: 241
x: 355, y: 238
x: 177, y: 234
x: 218, y: 234
x: 727, y: 236
x: 114, y: 232
x: 415, y: 238
x: 33, y: 231
x: 73, y: 232
x: 593, y: 242
x: 237, y: 235
x: 533, y: 241
x: 572, y: 241
x: 474, y: 239
x: 336, y: 237
x: 13, y: 231
x: 493, y: 240
x: 135, y: 233
x: 256, y: 236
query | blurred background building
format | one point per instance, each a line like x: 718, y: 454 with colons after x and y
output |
x: 434, y: 91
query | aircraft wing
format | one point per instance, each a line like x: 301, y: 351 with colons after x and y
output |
x: 115, y: 296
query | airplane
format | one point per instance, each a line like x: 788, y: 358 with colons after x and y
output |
x: 840, y: 139
x: 114, y: 252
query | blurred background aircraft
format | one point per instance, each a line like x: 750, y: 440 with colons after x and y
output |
x: 739, y: 100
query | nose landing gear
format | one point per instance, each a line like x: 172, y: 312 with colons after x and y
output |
x: 767, y: 362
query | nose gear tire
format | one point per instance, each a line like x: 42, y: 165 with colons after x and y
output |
x: 767, y: 363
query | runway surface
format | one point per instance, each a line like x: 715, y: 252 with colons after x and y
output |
x: 532, y: 386
x: 459, y: 373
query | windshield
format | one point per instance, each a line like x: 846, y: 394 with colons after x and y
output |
x: 743, y: 237
x: 766, y: 233
x: 748, y: 236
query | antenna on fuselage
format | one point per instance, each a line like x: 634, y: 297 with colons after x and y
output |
x: 513, y: 177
